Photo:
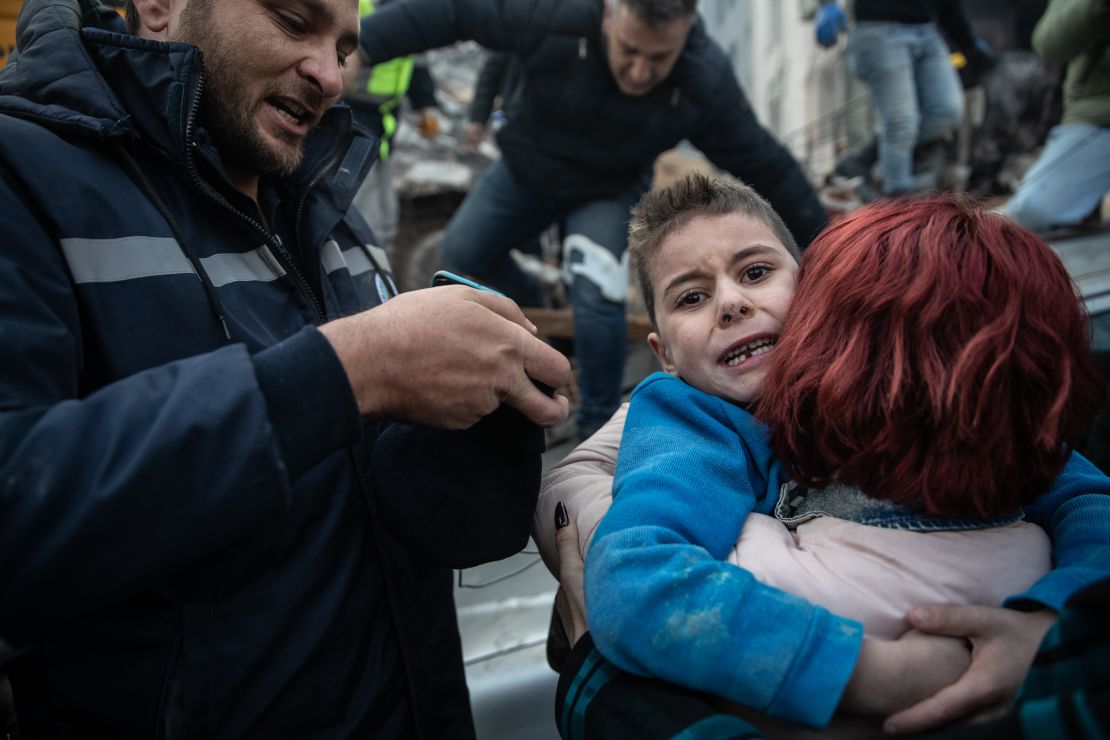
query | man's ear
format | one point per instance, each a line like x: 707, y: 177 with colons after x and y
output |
x: 662, y: 353
x: 155, y: 17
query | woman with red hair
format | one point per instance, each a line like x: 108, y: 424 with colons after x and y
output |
x: 928, y: 382
x: 936, y: 356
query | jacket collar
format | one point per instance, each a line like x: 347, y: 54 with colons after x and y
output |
x: 52, y: 78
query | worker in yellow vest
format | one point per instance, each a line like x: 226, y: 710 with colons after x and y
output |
x: 375, y: 94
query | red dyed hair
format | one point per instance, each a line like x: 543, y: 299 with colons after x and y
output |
x: 935, y: 355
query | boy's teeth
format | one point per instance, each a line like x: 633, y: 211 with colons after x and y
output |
x: 747, y: 351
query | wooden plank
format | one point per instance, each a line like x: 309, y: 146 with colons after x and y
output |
x: 559, y: 322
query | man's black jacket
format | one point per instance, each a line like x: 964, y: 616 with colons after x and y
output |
x: 573, y: 135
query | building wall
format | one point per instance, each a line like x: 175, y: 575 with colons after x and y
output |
x: 797, y: 89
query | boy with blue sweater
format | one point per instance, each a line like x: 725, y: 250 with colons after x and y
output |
x: 718, y: 273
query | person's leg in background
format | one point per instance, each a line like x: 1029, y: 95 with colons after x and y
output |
x: 498, y: 214
x: 940, y: 98
x: 859, y: 128
x: 1067, y: 181
x: 859, y: 111
x: 595, y: 265
x: 881, y: 56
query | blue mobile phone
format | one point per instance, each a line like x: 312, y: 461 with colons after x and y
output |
x: 444, y: 277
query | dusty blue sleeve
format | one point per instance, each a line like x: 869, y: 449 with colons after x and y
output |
x: 660, y: 600
x: 1076, y: 515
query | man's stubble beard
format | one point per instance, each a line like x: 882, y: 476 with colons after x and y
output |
x: 227, y: 110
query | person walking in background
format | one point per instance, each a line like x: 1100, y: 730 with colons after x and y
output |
x: 375, y: 94
x: 237, y: 467
x: 609, y: 85
x: 896, y: 49
x: 1070, y: 178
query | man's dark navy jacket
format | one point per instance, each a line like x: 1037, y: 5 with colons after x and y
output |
x: 198, y: 534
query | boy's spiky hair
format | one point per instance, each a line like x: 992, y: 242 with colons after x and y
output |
x: 935, y: 355
x: 663, y: 211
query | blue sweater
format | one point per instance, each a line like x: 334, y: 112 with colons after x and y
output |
x: 661, y: 600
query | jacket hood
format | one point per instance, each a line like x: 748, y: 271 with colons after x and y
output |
x: 76, y: 69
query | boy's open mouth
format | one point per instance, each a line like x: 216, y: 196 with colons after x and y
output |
x: 743, y: 352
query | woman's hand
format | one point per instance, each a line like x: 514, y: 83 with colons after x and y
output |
x: 570, y: 601
x: 568, y: 619
x: 1003, y: 643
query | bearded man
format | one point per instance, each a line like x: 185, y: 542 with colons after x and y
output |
x: 236, y: 465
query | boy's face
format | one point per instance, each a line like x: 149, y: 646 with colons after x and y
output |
x: 723, y: 285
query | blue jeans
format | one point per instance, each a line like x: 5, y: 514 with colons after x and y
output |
x: 1067, y: 181
x: 499, y: 213
x: 914, y: 86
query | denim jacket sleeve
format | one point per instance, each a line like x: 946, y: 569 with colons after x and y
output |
x: 660, y: 600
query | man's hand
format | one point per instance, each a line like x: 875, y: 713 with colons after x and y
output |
x: 473, y: 134
x: 894, y: 674
x: 429, y: 123
x: 1003, y: 642
x: 446, y: 357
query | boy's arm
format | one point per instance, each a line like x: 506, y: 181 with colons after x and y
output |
x: 1076, y: 515
x: 659, y: 599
